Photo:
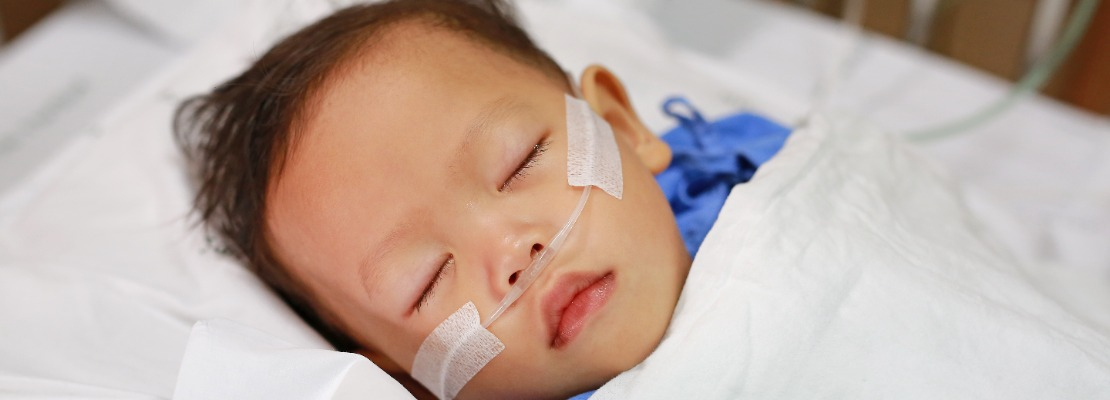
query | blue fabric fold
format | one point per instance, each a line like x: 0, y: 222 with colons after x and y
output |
x: 709, y: 159
x: 583, y: 396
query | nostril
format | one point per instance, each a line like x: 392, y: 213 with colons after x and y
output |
x: 512, y: 278
x: 536, y: 249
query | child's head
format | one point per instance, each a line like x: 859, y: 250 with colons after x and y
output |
x: 365, y: 152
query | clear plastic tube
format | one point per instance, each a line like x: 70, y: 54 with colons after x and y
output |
x: 546, y: 255
x: 1029, y: 84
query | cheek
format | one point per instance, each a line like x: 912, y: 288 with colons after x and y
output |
x: 644, y: 209
x: 522, y: 370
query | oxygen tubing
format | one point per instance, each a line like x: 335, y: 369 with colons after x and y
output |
x: 1033, y: 80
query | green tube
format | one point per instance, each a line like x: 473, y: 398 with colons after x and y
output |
x: 1033, y: 80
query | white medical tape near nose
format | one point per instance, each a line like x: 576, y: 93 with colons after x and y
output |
x: 592, y: 155
x: 455, y: 351
x: 461, y: 346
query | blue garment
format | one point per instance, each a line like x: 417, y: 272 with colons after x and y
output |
x: 583, y: 396
x: 709, y: 159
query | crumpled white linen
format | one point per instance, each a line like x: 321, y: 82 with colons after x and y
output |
x: 227, y: 360
x: 848, y: 268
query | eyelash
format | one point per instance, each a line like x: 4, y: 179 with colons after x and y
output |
x: 429, y: 290
x: 522, y: 170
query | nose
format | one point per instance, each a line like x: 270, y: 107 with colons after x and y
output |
x: 502, y: 240
x: 536, y: 249
x: 507, y: 258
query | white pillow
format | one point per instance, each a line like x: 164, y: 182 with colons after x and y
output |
x: 102, y: 270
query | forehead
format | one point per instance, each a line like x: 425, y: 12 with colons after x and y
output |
x: 392, y: 117
x: 410, y: 87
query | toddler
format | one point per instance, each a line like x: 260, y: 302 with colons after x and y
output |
x: 394, y: 161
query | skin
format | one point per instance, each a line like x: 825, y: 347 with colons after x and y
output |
x: 381, y: 163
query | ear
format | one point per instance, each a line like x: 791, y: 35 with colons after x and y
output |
x: 606, y: 95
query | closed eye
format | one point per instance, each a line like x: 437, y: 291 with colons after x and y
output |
x: 522, y: 169
x: 429, y: 290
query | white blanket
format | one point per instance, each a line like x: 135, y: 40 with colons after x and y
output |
x: 847, y: 268
x: 227, y: 360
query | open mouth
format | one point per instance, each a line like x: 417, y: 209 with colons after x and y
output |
x: 572, y: 301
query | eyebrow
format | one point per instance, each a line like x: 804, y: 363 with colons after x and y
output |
x: 493, y: 112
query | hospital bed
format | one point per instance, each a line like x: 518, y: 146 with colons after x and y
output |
x: 103, y: 272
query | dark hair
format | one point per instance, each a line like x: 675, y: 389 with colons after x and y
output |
x: 236, y: 137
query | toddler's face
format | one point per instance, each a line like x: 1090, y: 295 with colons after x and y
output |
x: 431, y: 171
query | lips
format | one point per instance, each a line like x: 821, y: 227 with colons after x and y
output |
x: 569, y: 304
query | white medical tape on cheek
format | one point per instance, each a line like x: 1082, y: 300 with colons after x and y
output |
x: 593, y: 158
x: 454, y: 352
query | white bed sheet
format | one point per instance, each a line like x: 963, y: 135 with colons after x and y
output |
x: 102, y: 275
x: 61, y: 75
x: 67, y: 71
